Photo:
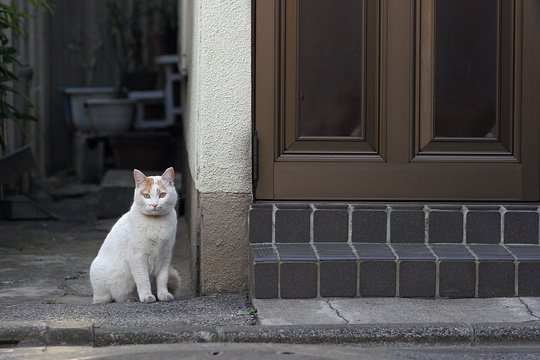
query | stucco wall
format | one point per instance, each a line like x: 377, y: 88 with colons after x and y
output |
x: 217, y: 128
x: 218, y: 103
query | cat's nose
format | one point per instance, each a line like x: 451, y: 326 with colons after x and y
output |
x: 155, y: 206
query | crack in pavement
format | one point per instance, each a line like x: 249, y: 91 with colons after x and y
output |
x: 529, y: 310
x: 336, y: 311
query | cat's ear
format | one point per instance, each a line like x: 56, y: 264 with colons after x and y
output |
x: 168, y: 176
x: 139, y: 177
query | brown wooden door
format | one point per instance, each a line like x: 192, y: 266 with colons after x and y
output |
x: 397, y: 99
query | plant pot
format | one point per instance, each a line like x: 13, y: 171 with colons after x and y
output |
x: 111, y: 116
x: 146, y: 150
x: 74, y: 100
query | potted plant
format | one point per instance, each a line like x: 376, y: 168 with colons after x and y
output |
x: 74, y: 98
x: 131, y: 59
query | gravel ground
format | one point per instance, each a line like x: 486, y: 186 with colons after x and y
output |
x: 217, y: 310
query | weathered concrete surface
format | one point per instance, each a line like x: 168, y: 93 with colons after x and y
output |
x: 396, y: 311
x: 296, y: 312
x: 224, y: 247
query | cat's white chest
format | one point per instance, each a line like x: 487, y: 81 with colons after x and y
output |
x: 153, y: 240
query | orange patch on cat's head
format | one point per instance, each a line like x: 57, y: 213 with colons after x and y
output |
x: 147, y: 186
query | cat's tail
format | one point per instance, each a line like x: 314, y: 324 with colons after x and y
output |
x: 173, y: 283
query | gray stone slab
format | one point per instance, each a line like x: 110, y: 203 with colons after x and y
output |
x: 296, y: 312
x: 395, y: 311
x: 400, y: 310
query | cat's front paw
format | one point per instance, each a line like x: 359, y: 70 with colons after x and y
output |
x: 165, y: 296
x: 147, y: 298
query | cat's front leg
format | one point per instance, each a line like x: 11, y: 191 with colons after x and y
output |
x: 139, y: 270
x: 161, y: 283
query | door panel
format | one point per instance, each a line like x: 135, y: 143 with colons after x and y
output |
x: 466, y: 79
x: 397, y: 99
x: 330, y: 60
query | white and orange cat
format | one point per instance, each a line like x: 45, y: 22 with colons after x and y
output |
x: 136, y: 254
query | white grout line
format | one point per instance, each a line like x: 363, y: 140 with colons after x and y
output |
x: 437, y: 270
x: 426, y: 223
x: 502, y: 210
x: 516, y: 269
x: 350, y: 218
x: 477, y: 269
x: 397, y: 267
x: 274, y: 210
x: 312, y: 224
x: 388, y: 211
x: 465, y: 211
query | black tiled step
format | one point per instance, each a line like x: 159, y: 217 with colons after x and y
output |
x: 373, y: 251
x: 307, y: 270
x: 303, y: 250
x: 331, y: 224
x: 335, y: 251
x: 395, y: 223
x: 296, y: 252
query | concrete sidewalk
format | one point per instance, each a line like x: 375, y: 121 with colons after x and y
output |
x: 45, y: 299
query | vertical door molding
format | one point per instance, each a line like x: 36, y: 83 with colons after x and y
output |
x: 266, y: 104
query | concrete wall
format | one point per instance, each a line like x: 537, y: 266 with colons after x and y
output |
x: 217, y: 127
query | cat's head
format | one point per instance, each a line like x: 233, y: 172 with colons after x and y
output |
x: 155, y: 195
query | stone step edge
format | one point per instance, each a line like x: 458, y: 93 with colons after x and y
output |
x: 39, y: 333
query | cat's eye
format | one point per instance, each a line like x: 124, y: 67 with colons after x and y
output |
x: 146, y: 196
x: 162, y: 195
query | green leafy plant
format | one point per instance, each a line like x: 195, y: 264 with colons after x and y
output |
x: 249, y: 311
x: 11, y: 23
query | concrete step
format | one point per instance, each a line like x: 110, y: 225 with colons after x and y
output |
x: 424, y: 250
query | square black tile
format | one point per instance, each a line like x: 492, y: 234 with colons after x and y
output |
x: 373, y: 251
x: 298, y: 280
x: 338, y: 278
x: 525, y: 252
x: 331, y: 225
x: 265, y: 280
x: 417, y: 278
x: 445, y: 227
x: 369, y: 226
x: 377, y: 278
x: 260, y: 224
x: 483, y: 227
x: 528, y: 278
x: 335, y: 251
x: 457, y: 279
x: 413, y: 252
x: 263, y: 252
x: 496, y: 279
x: 520, y: 227
x: 490, y: 252
x: 296, y: 252
x: 452, y: 252
x: 407, y: 226
x: 292, y: 225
